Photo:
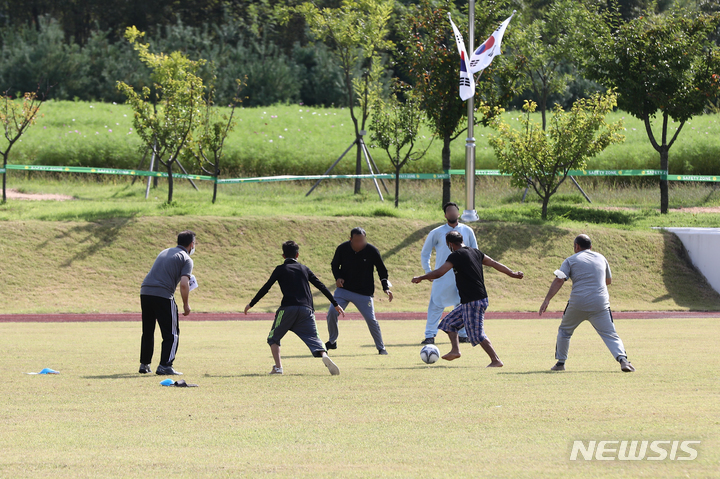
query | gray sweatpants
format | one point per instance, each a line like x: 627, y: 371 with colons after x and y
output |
x: 602, y: 322
x: 365, y: 305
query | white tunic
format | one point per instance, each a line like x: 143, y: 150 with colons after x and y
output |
x: 444, y: 291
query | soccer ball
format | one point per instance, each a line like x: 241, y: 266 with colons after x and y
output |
x: 429, y: 353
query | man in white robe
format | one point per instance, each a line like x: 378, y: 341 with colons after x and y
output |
x: 444, y: 291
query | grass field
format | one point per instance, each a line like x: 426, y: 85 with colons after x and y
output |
x: 292, y: 139
x: 384, y: 416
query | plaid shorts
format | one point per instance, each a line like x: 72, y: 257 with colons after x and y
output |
x: 471, y: 316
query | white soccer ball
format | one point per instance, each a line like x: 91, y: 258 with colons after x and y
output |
x: 429, y: 353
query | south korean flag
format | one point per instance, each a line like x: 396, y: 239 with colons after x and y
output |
x: 467, y: 82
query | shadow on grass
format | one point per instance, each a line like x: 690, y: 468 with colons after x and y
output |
x: 418, y: 235
x: 547, y: 371
x: 96, y: 236
x: 399, y: 345
x: 685, y: 284
x: 90, y: 215
x: 590, y: 215
x: 420, y: 366
x: 121, y: 376
x: 497, y: 238
x: 310, y: 356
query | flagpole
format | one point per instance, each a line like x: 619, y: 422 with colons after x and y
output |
x: 470, y: 215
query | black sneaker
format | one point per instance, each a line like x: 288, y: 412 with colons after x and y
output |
x: 429, y: 340
x: 382, y: 352
x: 167, y: 371
x: 145, y: 369
x: 558, y: 367
x: 463, y: 340
x: 330, y: 345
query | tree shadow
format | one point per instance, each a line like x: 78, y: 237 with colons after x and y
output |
x: 96, y: 237
x: 496, y: 239
x: 418, y: 235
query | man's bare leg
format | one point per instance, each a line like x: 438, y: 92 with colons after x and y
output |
x: 494, y: 359
x: 455, y: 347
x: 275, y: 348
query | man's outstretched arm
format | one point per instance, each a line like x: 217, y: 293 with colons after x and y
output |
x: 554, y: 288
x: 488, y: 261
x: 447, y: 266
x: 263, y: 291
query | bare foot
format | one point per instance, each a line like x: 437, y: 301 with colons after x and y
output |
x: 451, y: 355
x: 495, y: 364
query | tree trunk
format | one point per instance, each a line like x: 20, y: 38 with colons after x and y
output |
x: 543, y: 108
x: 214, y: 192
x: 397, y: 185
x: 664, y: 199
x: 4, y: 199
x: 358, y: 166
x: 546, y: 200
x: 170, y: 183
x: 446, y: 167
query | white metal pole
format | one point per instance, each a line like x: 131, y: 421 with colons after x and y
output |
x: 470, y: 215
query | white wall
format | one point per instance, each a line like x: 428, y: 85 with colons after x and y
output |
x: 703, y: 246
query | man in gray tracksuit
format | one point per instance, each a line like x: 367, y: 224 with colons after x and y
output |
x: 172, y: 266
x: 589, y: 300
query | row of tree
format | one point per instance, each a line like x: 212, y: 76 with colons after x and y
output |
x: 663, y: 64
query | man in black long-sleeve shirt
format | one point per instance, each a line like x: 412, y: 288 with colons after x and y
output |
x: 296, y: 312
x: 354, y: 267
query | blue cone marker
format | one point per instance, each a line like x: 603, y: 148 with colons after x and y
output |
x: 167, y: 382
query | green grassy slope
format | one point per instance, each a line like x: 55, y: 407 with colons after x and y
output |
x: 70, y: 266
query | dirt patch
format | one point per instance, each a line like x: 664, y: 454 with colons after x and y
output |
x: 16, y: 195
x: 698, y: 209
x: 691, y: 210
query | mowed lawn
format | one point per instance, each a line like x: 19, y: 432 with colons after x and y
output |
x: 384, y: 416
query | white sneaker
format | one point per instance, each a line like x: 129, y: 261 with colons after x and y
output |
x: 332, y: 367
x: 276, y: 370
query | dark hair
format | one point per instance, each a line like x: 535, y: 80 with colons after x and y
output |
x: 290, y: 249
x: 448, y: 204
x: 583, y: 241
x: 357, y: 231
x: 454, y: 237
x: 185, y: 238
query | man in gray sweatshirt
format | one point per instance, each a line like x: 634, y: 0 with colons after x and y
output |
x: 589, y: 300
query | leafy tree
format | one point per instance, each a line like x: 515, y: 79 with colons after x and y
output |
x: 357, y: 33
x: 430, y: 58
x: 545, y: 49
x: 543, y: 159
x: 16, y: 117
x: 659, y: 65
x: 166, y: 117
x: 395, y: 127
x: 209, y: 140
